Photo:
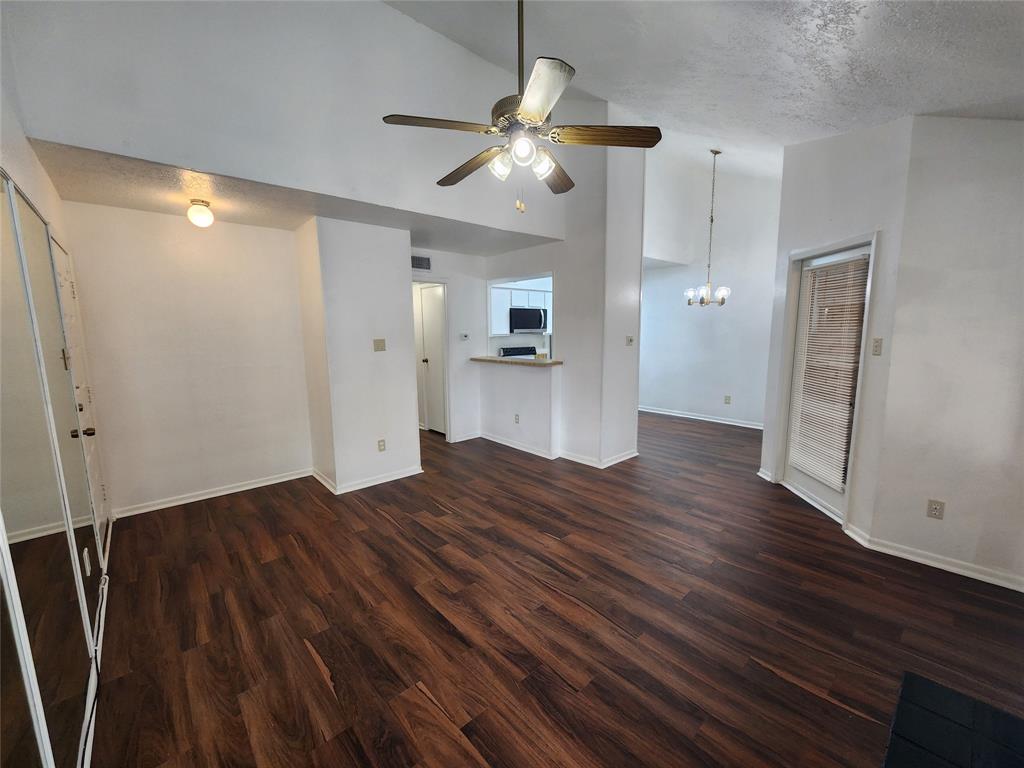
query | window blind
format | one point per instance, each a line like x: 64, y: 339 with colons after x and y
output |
x: 830, y: 317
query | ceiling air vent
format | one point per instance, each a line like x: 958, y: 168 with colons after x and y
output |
x: 421, y: 262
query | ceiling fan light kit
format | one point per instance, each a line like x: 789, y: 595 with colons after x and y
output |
x: 523, y: 119
x: 706, y: 295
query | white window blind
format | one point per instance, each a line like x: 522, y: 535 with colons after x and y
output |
x: 825, y: 365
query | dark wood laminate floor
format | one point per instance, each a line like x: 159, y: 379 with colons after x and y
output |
x: 505, y: 610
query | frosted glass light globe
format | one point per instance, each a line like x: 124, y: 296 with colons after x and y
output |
x: 523, y: 148
x: 723, y: 293
x: 199, y: 213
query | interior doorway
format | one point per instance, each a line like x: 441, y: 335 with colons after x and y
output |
x: 429, y: 301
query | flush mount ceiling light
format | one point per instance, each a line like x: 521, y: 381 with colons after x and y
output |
x: 199, y: 213
x: 524, y: 119
x: 703, y: 296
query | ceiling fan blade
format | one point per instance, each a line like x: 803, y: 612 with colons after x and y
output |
x: 606, y: 135
x: 558, y: 180
x: 474, y: 163
x: 434, y: 122
x: 549, y: 78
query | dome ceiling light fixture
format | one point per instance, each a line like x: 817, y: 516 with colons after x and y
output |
x: 523, y: 118
x: 199, y: 213
x: 703, y: 296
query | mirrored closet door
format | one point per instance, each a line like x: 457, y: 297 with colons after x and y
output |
x: 43, y: 488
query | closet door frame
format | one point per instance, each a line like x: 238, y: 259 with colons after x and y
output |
x: 23, y: 645
x: 83, y: 604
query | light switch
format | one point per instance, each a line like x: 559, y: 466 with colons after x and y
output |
x: 379, y: 345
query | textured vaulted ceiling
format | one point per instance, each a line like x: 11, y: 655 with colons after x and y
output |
x: 762, y: 72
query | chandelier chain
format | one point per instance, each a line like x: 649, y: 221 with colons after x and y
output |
x: 711, y: 218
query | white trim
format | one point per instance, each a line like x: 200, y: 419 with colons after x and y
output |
x: 470, y: 436
x: 596, y: 464
x: 702, y: 417
x: 23, y: 646
x: 186, y: 498
x: 46, y: 530
x: 387, y: 477
x: 519, y: 446
x: 814, y: 501
x: 764, y: 474
x: 617, y: 458
x: 324, y: 480
x: 995, y: 576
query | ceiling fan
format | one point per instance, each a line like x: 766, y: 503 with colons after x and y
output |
x: 523, y: 118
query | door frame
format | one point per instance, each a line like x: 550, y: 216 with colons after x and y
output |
x: 796, y: 258
x: 445, y: 345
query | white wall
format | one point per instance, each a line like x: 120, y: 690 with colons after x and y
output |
x: 940, y: 411
x: 18, y: 159
x: 466, y: 299
x: 954, y: 417
x: 692, y: 357
x: 314, y: 348
x: 835, y: 189
x: 308, y: 85
x: 624, y: 231
x: 577, y: 266
x: 534, y: 395
x: 365, y: 275
x: 195, y: 348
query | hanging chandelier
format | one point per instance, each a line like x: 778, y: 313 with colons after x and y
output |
x: 703, y: 296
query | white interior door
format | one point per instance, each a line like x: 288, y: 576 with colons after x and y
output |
x: 432, y: 303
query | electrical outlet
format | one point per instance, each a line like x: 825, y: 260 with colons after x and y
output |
x: 728, y: 399
x: 517, y: 418
x: 936, y: 509
x: 381, y: 445
x: 876, y: 347
x: 629, y: 341
x: 380, y: 345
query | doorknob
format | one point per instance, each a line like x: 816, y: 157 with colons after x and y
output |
x: 74, y: 433
x: 89, y: 431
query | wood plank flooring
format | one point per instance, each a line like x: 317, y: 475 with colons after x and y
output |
x: 505, y: 610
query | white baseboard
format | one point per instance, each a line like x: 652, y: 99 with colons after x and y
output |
x: 518, y: 446
x: 185, y: 498
x: 702, y: 417
x: 595, y: 463
x: 470, y: 436
x: 618, y: 458
x: 39, y: 531
x: 356, y: 485
x: 815, y: 502
x: 995, y: 576
x: 324, y: 480
x: 764, y: 474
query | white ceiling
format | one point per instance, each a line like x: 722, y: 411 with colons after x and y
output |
x: 89, y: 176
x: 770, y: 73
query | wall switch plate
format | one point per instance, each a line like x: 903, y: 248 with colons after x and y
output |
x: 728, y: 399
x: 381, y: 445
x: 379, y: 345
x: 936, y: 509
x: 517, y: 418
x: 629, y: 341
x: 876, y: 347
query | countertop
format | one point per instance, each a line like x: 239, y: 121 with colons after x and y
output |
x: 529, y: 361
